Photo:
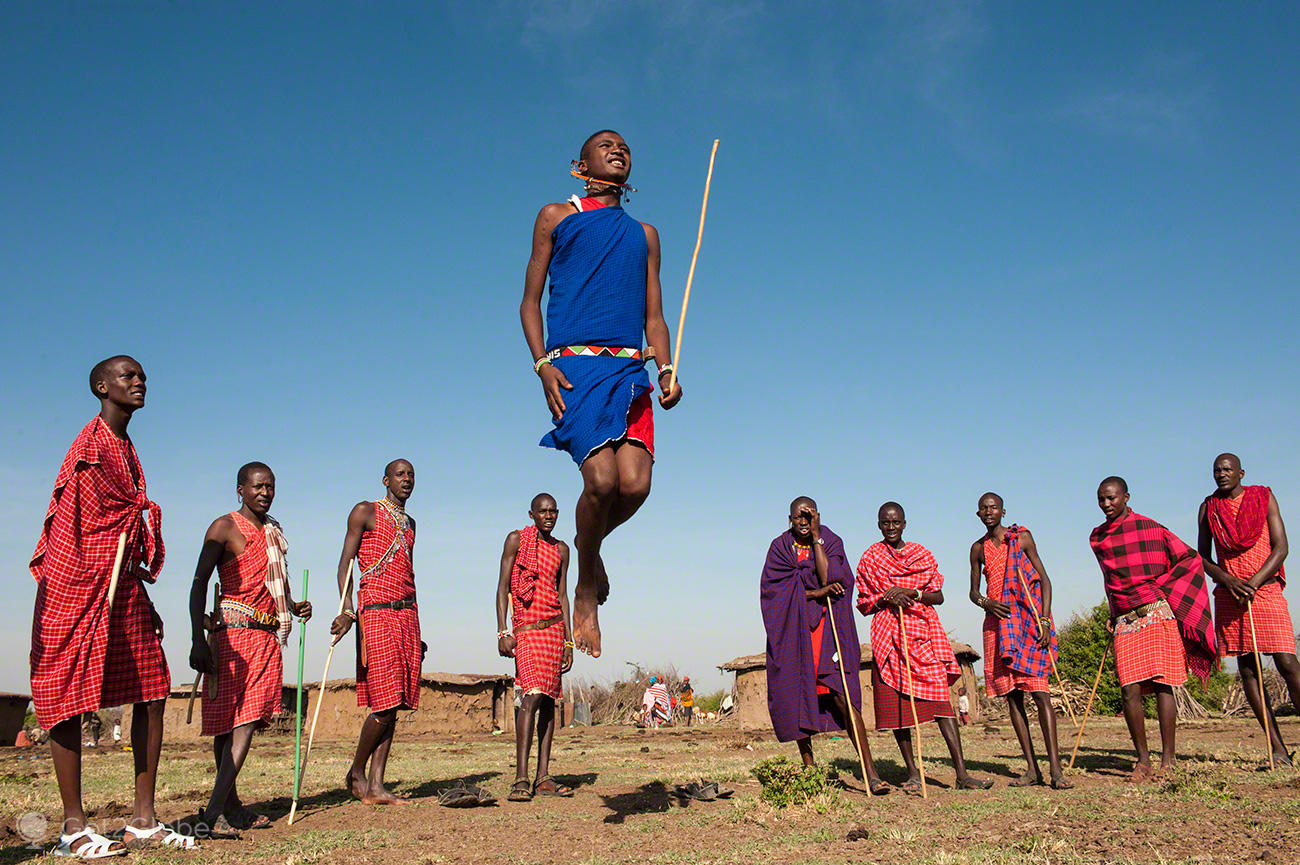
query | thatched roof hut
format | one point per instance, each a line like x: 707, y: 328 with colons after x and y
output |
x: 749, y: 692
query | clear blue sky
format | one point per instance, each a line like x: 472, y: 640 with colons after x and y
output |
x: 951, y: 247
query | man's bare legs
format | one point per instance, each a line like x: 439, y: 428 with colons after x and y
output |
x: 146, y: 749
x: 233, y: 749
x: 616, y: 481
x: 372, y: 746
x: 1047, y: 720
x: 1135, y: 717
x: 525, y: 725
x: 1250, y: 680
x: 952, y: 738
x: 1020, y: 723
x: 65, y: 750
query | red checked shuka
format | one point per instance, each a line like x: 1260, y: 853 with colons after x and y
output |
x: 534, y: 597
x: 388, y: 676
x: 249, y: 667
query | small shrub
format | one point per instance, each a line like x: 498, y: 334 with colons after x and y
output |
x: 787, y: 783
x: 708, y: 702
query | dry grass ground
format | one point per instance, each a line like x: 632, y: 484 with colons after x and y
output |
x: 1218, y: 807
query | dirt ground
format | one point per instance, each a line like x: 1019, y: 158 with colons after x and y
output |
x: 1220, y: 806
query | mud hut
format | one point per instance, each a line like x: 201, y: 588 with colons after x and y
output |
x: 13, y: 711
x: 749, y: 692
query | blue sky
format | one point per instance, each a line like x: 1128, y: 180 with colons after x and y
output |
x: 951, y: 247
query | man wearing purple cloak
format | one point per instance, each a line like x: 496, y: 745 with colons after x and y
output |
x: 806, y: 573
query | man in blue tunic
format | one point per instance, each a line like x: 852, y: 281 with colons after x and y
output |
x: 604, y: 296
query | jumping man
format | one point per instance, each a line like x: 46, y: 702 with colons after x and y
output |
x: 532, y: 586
x: 806, y: 575
x: 1246, y: 527
x: 247, y: 549
x: 381, y: 537
x: 90, y: 650
x: 895, y: 575
x: 604, y: 296
x: 1018, y: 646
x: 1160, y: 616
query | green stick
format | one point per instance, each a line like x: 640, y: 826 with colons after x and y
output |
x: 297, y: 717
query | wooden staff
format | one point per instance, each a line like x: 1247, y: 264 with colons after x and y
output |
x: 117, y: 569
x: 297, y: 715
x: 1065, y: 698
x: 320, y: 696
x: 1263, y: 693
x: 1088, y: 711
x: 848, y: 701
x: 690, y: 274
x: 911, y: 695
x: 210, y: 693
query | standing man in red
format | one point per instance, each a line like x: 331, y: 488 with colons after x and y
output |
x: 381, y: 537
x: 89, y: 650
x: 1246, y: 527
x: 247, y: 549
x: 1160, y: 615
x: 532, y: 585
x: 604, y: 297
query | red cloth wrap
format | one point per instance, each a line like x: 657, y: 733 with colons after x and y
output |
x: 391, y: 678
x: 81, y: 659
x: 250, y: 667
x: 538, y: 651
x: 1238, y: 526
x: 999, y: 677
x: 933, y: 665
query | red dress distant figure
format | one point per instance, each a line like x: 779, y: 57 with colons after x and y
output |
x: 389, y: 675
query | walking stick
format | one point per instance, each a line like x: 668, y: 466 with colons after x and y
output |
x: 690, y: 274
x: 117, y: 569
x: 1088, y: 711
x: 1263, y: 693
x: 1065, y: 698
x: 844, y: 680
x: 911, y: 695
x: 320, y: 695
x: 297, y: 715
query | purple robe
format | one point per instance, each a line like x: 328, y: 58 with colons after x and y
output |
x: 790, y: 619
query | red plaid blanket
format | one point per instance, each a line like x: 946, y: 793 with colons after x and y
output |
x: 1237, y: 530
x: 1018, y: 632
x: 1143, y: 562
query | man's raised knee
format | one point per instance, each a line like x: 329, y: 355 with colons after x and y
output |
x: 601, y: 483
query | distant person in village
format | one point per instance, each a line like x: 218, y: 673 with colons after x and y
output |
x: 91, y: 649
x: 896, y: 576
x: 381, y: 537
x: 532, y: 587
x: 655, y: 704
x: 963, y: 706
x: 1160, y: 616
x: 247, y: 550
x: 687, y: 700
x: 604, y: 297
x: 1246, y: 528
x: 1019, y: 640
x: 806, y: 574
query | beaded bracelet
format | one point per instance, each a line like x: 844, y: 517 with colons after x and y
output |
x: 539, y: 363
x: 568, y: 644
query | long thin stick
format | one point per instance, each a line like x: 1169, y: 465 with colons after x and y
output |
x: 911, y: 695
x: 1088, y: 711
x: 1065, y: 698
x: 320, y: 695
x: 297, y: 715
x: 117, y: 569
x: 1263, y: 694
x: 690, y: 274
x: 211, y: 624
x: 848, y: 701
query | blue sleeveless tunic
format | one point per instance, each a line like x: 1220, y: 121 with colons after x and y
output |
x: 596, y: 297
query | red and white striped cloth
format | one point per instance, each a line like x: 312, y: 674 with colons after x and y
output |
x: 391, y: 677
x: 81, y: 657
x: 539, y: 652
x: 1150, y: 650
x: 249, y: 665
x: 999, y: 678
x: 1274, y: 631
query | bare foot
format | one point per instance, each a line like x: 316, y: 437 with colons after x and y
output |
x: 1060, y: 782
x: 1031, y: 778
x: 356, y: 784
x: 1140, y: 774
x: 1166, y: 766
x: 586, y: 624
x: 382, y: 796
x: 1282, y: 759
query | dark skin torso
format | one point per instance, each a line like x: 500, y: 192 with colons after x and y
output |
x: 1243, y: 590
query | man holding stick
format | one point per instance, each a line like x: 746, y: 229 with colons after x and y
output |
x: 910, y: 677
x: 1160, y: 616
x: 1250, y: 613
x: 605, y: 296
x: 804, y: 576
x: 531, y: 585
x: 381, y: 537
x: 1019, y: 641
x: 247, y: 549
x: 96, y: 638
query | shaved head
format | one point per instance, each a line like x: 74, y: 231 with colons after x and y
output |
x: 992, y: 495
x: 542, y: 499
x: 582, y: 151
x: 101, y: 371
x: 1114, y: 480
x: 388, y: 469
x: 888, y: 506
x: 1233, y: 458
x: 241, y: 477
x: 802, y: 502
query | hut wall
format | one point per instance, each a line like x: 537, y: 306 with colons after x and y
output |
x: 751, y: 698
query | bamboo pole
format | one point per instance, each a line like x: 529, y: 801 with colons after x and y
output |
x: 297, y: 715
x: 320, y: 694
x: 1088, y: 710
x: 117, y: 569
x: 1263, y: 692
x: 911, y: 695
x: 690, y: 274
x: 1033, y: 608
x: 848, y: 701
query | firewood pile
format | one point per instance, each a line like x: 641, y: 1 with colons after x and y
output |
x: 1234, y: 702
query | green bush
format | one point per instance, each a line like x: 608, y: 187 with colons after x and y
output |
x: 787, y: 783
x: 708, y: 702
